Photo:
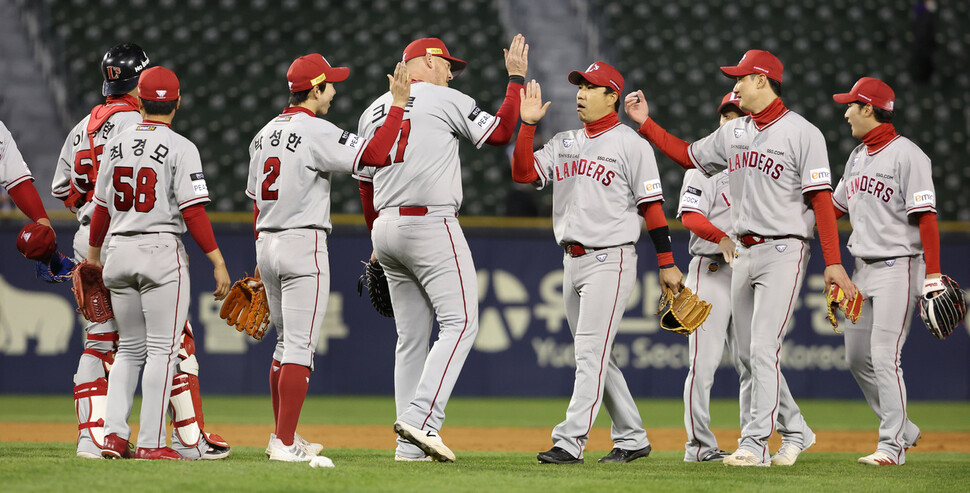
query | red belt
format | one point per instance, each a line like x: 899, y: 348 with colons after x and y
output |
x: 412, y: 211
x: 751, y: 240
x: 577, y: 250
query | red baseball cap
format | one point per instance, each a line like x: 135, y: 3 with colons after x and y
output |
x: 158, y: 84
x: 310, y: 70
x: 756, y: 62
x: 869, y: 90
x: 36, y: 242
x: 436, y: 47
x: 730, y: 99
x: 599, y: 74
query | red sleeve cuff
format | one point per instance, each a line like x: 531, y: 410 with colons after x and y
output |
x: 700, y: 226
x: 523, y: 159
x: 929, y: 235
x: 828, y: 231
x: 671, y: 146
x: 27, y: 200
x: 199, y: 226
x: 100, y: 222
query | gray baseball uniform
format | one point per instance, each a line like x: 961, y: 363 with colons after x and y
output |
x: 151, y: 173
x: 291, y: 160
x: 598, y: 181
x: 879, y: 191
x: 420, y: 244
x: 76, y: 173
x: 770, y: 168
x: 13, y: 168
x: 709, y: 276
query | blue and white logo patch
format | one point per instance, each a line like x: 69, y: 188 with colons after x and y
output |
x: 601, y: 257
x: 781, y: 248
x: 567, y: 143
x: 738, y: 132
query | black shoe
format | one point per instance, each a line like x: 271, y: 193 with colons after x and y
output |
x: 715, y: 456
x: 623, y: 456
x: 557, y: 455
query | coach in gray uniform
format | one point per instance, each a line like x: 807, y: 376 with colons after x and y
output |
x: 601, y: 175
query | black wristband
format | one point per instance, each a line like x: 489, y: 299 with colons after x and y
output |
x: 529, y: 124
x: 516, y: 79
x: 661, y: 239
x: 667, y: 266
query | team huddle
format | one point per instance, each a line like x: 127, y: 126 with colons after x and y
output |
x: 754, y: 192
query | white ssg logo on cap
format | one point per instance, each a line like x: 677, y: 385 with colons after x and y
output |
x: 161, y: 92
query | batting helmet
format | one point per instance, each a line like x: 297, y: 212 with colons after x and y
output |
x: 120, y: 68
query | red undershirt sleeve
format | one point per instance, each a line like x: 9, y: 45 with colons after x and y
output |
x: 199, y: 226
x: 378, y: 150
x: 367, y: 202
x: 828, y: 232
x: 100, y: 221
x: 929, y: 235
x: 523, y: 169
x: 653, y: 214
x: 671, y: 146
x: 507, y: 113
x: 27, y: 200
x: 255, y: 218
x: 700, y: 226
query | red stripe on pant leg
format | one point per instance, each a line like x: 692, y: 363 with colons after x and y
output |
x: 464, y: 304
x: 316, y: 299
x: 899, y: 382
x: 606, y: 348
x: 693, y: 368
x: 781, y: 331
x: 175, y: 333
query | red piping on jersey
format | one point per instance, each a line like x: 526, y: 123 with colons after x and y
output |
x: 176, y: 330
x: 289, y: 110
x: 770, y: 115
x: 156, y: 122
x: 781, y: 330
x: 671, y: 146
x: 929, y: 235
x: 25, y: 196
x: 702, y: 227
x: 601, y: 126
x: 100, y: 222
x: 879, y: 138
x: 606, y: 341
x: 693, y: 375
x: 508, y: 116
x: 828, y: 231
x: 199, y: 226
x: 316, y: 299
x: 464, y: 303
x: 899, y: 381
x: 523, y: 157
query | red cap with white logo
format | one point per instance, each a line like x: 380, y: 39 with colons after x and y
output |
x: 158, y: 84
x: 869, y: 90
x: 730, y: 99
x: 599, y: 74
x: 756, y: 62
x: 310, y: 70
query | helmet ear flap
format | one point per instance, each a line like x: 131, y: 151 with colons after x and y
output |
x: 121, y: 67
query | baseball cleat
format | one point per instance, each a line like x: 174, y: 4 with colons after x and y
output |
x: 715, y: 456
x: 311, y: 448
x: 788, y: 454
x: 215, y: 452
x: 557, y: 455
x: 116, y: 447
x: 624, y: 456
x: 401, y: 458
x: 287, y: 453
x: 161, y: 453
x: 427, y: 440
x: 88, y: 455
x: 877, y: 459
x: 744, y: 458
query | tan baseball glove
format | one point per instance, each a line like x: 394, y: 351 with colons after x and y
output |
x: 682, y: 313
x: 835, y: 298
x: 246, y: 308
x: 92, y: 297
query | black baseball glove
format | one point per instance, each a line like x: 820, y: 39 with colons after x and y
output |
x: 943, y: 306
x: 380, y: 294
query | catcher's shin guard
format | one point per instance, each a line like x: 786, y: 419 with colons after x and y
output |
x: 90, y: 399
x: 186, y: 400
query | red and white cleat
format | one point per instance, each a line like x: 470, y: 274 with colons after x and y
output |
x: 877, y: 459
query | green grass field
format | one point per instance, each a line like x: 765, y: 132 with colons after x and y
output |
x: 52, y: 466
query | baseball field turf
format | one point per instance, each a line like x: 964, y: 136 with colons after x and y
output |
x: 495, y: 441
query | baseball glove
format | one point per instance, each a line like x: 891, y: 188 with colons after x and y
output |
x: 377, y: 289
x: 93, y: 298
x: 246, y: 308
x: 835, y: 298
x: 55, y: 269
x: 943, y: 306
x: 682, y: 313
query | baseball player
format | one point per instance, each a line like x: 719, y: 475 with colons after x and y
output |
x: 887, y: 190
x: 291, y: 160
x: 411, y: 208
x: 603, y: 177
x: 779, y: 178
x: 705, y: 210
x: 149, y: 190
x: 15, y: 177
x: 74, y: 181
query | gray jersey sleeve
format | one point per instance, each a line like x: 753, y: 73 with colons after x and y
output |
x: 13, y: 169
x: 696, y: 194
x: 709, y: 155
x: 468, y: 119
x: 335, y: 149
x: 545, y: 158
x: 189, y: 181
x: 813, y: 160
x: 840, y: 198
x: 643, y: 172
x: 916, y: 180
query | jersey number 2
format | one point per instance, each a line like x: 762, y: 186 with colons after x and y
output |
x: 141, y: 195
x: 272, y: 169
